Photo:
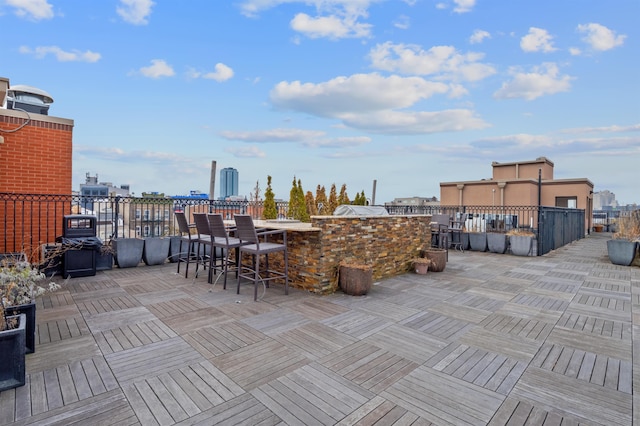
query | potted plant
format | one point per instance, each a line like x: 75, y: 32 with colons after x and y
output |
x: 128, y: 251
x: 520, y: 241
x: 104, y: 257
x: 421, y: 265
x: 355, y: 279
x: 156, y: 250
x: 437, y: 258
x: 12, y: 350
x: 19, y: 287
x: 478, y: 241
x: 622, y: 249
x: 497, y: 242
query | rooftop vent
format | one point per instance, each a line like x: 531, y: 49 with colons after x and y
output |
x: 30, y: 99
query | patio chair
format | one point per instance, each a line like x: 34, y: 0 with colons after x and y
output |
x: 205, y: 244
x: 220, y: 239
x: 440, y: 230
x: 252, y: 245
x: 455, y: 231
x: 188, y: 253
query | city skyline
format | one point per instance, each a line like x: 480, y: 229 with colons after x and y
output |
x: 409, y: 93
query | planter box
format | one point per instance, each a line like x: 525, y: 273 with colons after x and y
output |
x: 621, y: 252
x: 12, y: 350
x: 497, y: 242
x: 104, y: 261
x: 174, y: 248
x: 355, y: 280
x: 128, y: 251
x: 478, y: 241
x: 29, y: 310
x: 520, y: 245
x: 156, y: 250
x: 421, y: 268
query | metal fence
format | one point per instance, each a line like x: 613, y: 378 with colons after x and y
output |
x: 552, y: 226
x: 28, y: 221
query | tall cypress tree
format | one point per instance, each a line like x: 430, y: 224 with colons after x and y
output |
x: 270, y: 211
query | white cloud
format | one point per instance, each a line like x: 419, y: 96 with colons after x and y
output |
x: 538, y: 40
x: 371, y: 102
x: 332, y: 27
x: 61, y: 55
x: 246, y: 152
x: 32, y: 9
x: 221, y: 73
x: 478, y: 36
x: 402, y: 22
x: 574, y: 51
x: 463, y: 6
x: 157, y: 69
x: 359, y: 93
x: 335, y: 19
x: 413, y: 123
x: 608, y: 129
x: 442, y: 61
x: 600, y: 37
x: 543, y: 80
x: 274, y: 135
x: 340, y: 142
x: 135, y: 11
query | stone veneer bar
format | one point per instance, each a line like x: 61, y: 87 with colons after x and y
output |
x: 387, y: 243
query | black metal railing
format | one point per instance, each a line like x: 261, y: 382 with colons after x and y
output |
x: 29, y: 221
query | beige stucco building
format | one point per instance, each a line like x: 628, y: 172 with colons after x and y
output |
x: 516, y: 184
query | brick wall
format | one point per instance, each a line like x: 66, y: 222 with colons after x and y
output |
x: 36, y: 159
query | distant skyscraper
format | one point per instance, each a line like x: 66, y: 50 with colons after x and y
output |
x: 228, y: 182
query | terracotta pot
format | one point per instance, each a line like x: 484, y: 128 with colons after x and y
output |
x: 421, y: 268
x: 355, y: 280
x: 438, y: 258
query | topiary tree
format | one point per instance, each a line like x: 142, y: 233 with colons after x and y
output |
x: 293, y: 200
x: 321, y: 200
x: 270, y: 210
x: 343, y: 198
x: 333, y: 199
x: 312, y: 207
x: 303, y: 214
x: 360, y: 199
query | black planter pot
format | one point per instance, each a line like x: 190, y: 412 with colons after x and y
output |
x: 621, y: 252
x: 128, y: 251
x: 29, y: 310
x: 497, y: 242
x: 104, y: 261
x: 12, y: 360
x: 478, y: 241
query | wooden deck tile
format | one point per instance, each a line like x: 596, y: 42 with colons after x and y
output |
x: 152, y: 360
x: 443, y: 399
x: 311, y: 395
x: 254, y: 365
x: 563, y: 395
x: 223, y: 338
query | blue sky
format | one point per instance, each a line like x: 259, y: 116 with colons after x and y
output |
x: 409, y: 93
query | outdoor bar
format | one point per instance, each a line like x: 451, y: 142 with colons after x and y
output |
x: 316, y: 249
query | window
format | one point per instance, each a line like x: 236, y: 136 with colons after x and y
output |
x: 567, y: 202
x: 146, y: 215
x: 146, y: 231
x: 137, y: 231
x: 138, y: 214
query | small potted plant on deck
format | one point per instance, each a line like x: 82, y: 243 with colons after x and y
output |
x: 20, y: 284
x: 623, y: 248
x: 421, y: 265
